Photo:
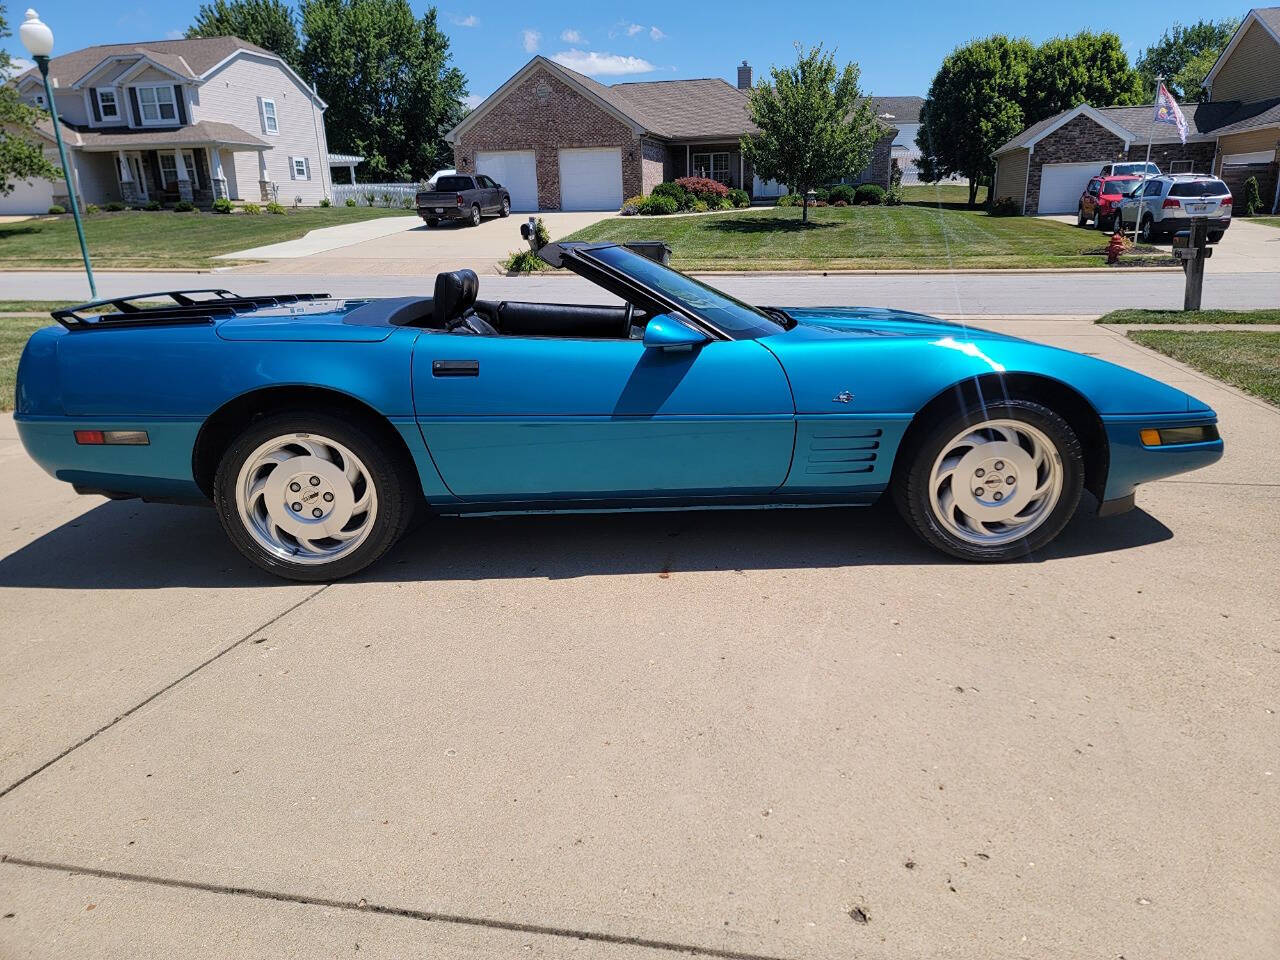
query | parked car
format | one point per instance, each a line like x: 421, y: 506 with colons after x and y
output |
x: 1166, y: 205
x: 320, y: 428
x: 462, y: 196
x: 431, y: 183
x: 1140, y: 169
x: 1100, y: 201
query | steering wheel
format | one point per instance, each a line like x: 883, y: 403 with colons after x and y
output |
x: 626, y: 320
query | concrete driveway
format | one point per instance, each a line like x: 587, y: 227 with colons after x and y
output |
x: 1245, y: 248
x: 399, y: 246
x: 792, y: 734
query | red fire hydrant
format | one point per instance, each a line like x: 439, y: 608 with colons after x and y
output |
x: 1116, y: 247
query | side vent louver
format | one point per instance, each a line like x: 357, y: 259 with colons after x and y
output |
x: 842, y: 450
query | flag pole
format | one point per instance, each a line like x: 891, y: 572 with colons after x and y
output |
x: 1142, y: 184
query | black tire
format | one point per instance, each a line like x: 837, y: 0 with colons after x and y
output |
x: 475, y: 215
x: 1148, y: 232
x: 1216, y: 236
x: 914, y: 466
x: 1105, y: 225
x: 505, y: 210
x: 395, y: 485
x: 1081, y: 219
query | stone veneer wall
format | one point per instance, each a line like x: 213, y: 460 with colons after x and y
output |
x: 1076, y: 141
x: 1162, y: 154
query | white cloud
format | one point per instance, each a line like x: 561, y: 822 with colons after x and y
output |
x: 531, y: 40
x: 656, y: 34
x: 595, y: 64
x: 572, y: 36
x: 18, y: 65
x: 472, y: 100
x: 633, y: 29
x: 470, y: 20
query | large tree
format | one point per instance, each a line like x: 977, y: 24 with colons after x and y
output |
x: 21, y: 152
x: 975, y: 105
x: 1183, y: 55
x: 1088, y: 68
x: 268, y: 23
x: 391, y: 90
x: 815, y: 125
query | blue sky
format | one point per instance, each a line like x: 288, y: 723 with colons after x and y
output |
x: 898, y: 45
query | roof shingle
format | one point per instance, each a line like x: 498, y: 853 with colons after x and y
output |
x: 189, y: 58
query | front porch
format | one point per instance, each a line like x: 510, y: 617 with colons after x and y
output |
x: 169, y: 175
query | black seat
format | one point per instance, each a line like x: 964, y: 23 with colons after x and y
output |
x: 454, y: 297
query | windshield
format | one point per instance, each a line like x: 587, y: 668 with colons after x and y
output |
x: 453, y: 184
x: 733, y: 317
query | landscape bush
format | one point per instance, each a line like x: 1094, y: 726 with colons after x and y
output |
x: 222, y: 205
x: 524, y: 261
x: 1004, y: 207
x: 115, y: 206
x: 871, y: 194
x: 789, y: 200
x: 631, y: 206
x: 183, y: 206
x: 683, y: 198
x: 275, y: 208
x: 153, y: 206
x: 841, y: 191
x: 894, y: 197
x: 350, y: 201
x: 91, y: 208
x: 739, y: 197
x: 656, y: 206
x: 839, y: 203
x: 1252, y: 197
x: 56, y: 209
x: 325, y: 202
x: 699, y: 206
x: 823, y: 194
x: 252, y: 209
x: 704, y: 188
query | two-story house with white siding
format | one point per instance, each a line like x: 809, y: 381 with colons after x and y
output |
x: 174, y: 120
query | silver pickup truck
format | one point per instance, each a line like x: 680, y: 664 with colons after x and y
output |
x: 463, y: 196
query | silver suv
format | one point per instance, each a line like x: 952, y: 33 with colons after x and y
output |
x: 1130, y: 169
x: 1168, y: 203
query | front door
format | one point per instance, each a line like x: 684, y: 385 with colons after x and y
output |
x: 546, y: 418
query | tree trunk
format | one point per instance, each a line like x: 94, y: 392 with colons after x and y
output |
x: 804, y: 206
x: 973, y: 193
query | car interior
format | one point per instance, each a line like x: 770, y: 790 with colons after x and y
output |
x: 454, y: 309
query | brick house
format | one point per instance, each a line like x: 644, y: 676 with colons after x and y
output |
x: 1234, y: 135
x: 173, y: 120
x: 559, y: 140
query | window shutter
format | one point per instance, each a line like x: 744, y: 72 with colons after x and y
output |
x: 292, y: 170
x: 179, y: 104
x: 133, y: 102
x: 306, y: 165
x: 93, y: 103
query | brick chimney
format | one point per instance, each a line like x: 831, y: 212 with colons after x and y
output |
x: 744, y: 76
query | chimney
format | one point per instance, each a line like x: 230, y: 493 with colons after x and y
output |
x: 744, y: 76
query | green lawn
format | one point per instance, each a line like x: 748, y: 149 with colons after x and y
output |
x: 1268, y: 221
x: 1244, y: 359
x: 949, y: 194
x: 138, y: 240
x: 14, y: 332
x: 1191, y: 316
x: 914, y: 235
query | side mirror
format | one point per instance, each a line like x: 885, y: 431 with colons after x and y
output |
x: 670, y: 331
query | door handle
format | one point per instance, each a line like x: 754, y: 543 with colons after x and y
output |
x: 455, y: 368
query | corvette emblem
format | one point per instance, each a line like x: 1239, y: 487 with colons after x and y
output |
x: 844, y: 396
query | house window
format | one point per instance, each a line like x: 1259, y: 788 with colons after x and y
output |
x: 157, y: 104
x: 1180, y: 166
x: 300, y: 168
x: 189, y: 161
x: 107, y: 105
x: 269, y: 121
x: 713, y: 165
x: 168, y: 169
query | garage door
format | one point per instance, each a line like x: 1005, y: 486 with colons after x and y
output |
x: 30, y: 196
x: 1062, y: 183
x: 515, y: 170
x: 591, y: 179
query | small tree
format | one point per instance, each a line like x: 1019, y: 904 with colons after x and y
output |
x: 1252, y: 198
x: 1183, y: 55
x: 21, y: 155
x: 815, y: 125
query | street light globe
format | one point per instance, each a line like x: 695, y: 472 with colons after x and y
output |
x: 35, y: 35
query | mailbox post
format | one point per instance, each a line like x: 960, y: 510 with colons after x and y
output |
x: 1192, y: 248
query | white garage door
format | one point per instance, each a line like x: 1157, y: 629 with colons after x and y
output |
x: 591, y: 179
x: 515, y: 170
x: 1062, y: 183
x: 767, y: 188
x: 29, y: 196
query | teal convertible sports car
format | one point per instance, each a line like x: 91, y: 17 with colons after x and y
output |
x: 319, y: 428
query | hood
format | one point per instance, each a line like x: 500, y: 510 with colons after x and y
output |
x: 821, y: 322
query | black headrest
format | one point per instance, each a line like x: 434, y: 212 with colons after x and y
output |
x: 455, y: 295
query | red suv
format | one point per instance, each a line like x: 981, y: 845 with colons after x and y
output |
x: 1100, y: 201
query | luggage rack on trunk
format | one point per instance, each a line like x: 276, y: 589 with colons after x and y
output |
x: 187, y: 307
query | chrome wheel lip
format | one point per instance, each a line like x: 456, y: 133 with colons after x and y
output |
x: 305, y: 498
x: 985, y: 506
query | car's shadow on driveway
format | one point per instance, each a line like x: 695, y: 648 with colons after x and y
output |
x: 128, y: 545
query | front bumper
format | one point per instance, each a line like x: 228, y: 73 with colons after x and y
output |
x: 1134, y: 462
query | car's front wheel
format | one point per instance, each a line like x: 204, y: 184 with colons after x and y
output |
x: 993, y: 483
x: 1081, y: 219
x: 311, y: 496
x: 506, y: 207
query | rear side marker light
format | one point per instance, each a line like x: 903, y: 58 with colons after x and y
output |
x: 127, y: 438
x: 1173, y: 436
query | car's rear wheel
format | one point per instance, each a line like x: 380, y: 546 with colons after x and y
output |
x: 1216, y: 236
x: 1148, y: 228
x: 311, y: 496
x: 991, y: 484
x: 475, y: 215
x: 506, y: 207
x: 1081, y: 219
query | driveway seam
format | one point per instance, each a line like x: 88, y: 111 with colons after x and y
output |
x: 163, y: 690
x: 489, y: 923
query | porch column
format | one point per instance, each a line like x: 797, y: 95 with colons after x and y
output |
x: 184, y: 180
x: 128, y: 187
x: 215, y: 172
x: 264, y: 184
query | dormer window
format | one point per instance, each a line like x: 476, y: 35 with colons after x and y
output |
x: 157, y: 104
x: 107, y: 105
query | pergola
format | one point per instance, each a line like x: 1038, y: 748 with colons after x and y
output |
x: 348, y: 160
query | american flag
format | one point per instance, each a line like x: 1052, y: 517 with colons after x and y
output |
x: 1167, y: 112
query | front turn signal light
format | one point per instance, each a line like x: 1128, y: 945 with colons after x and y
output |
x: 1175, y: 436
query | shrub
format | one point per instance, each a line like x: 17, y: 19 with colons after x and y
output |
x: 524, y: 261
x: 350, y: 201
x: 704, y: 188
x: 869, y: 193
x: 683, y: 198
x: 841, y: 191
x: 658, y: 206
x: 789, y: 200
x: 153, y: 206
x: 1252, y: 197
x: 1004, y: 207
x: 56, y: 209
x: 183, y: 206
x: 823, y: 194
x: 222, y: 205
x: 274, y: 207
x: 252, y: 209
x: 115, y: 206
x: 839, y: 203
x: 406, y: 202
x: 91, y: 208
x: 541, y: 235
x: 699, y: 206
x: 369, y: 198
x: 631, y: 206
x: 388, y: 199
x: 740, y: 197
x: 324, y: 202
x: 724, y: 203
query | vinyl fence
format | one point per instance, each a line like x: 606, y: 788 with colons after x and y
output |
x: 375, y: 194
